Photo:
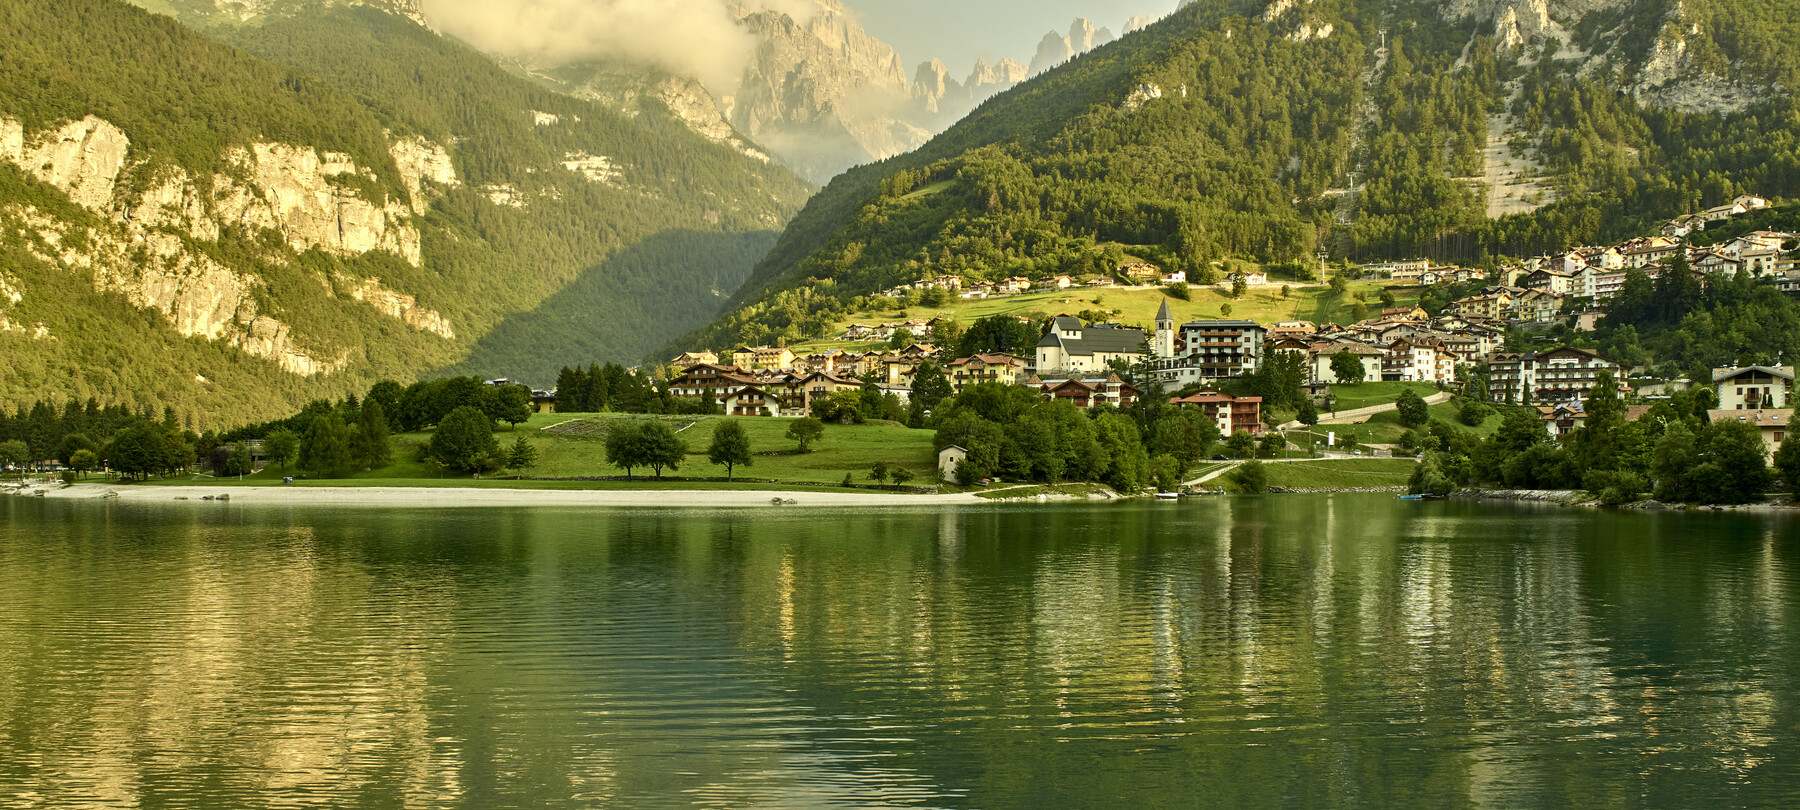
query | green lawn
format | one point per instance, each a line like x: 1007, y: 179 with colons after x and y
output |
x: 852, y: 449
x: 1370, y: 394
x: 1375, y: 472
x: 1385, y: 427
x: 1137, y: 307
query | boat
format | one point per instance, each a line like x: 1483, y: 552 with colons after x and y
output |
x: 1168, y: 496
x: 1422, y: 497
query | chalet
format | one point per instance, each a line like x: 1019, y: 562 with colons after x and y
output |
x: 1650, y: 252
x: 1071, y: 348
x: 1293, y: 346
x: 1091, y: 392
x: 1291, y: 329
x: 1322, y: 354
x: 703, y: 380
x: 1538, y: 306
x: 1399, y: 270
x: 1561, y: 420
x: 1177, y: 277
x: 1760, y: 262
x: 1548, y: 280
x: 1405, y: 314
x: 985, y: 368
x: 1718, y: 263
x: 1413, y: 360
x: 1750, y: 202
x: 1756, y: 240
x: 752, y: 400
x: 1232, y: 414
x: 1682, y: 227
x: 1773, y: 424
x: 1754, y: 387
x: 694, y: 358
x: 820, y: 384
x: 1141, y: 271
x: 1253, y: 279
x: 1491, y: 306
x: 1723, y: 212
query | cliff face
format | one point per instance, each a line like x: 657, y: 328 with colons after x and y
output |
x: 820, y: 92
x: 1668, y: 72
x: 1057, y: 48
x: 140, y: 243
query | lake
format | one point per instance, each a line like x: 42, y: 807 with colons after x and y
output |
x: 1279, y: 652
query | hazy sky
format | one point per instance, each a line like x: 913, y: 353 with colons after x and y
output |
x: 957, y: 31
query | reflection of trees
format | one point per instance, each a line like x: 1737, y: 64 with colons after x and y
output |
x: 1343, y: 649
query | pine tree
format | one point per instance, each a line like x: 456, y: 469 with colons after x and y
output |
x: 370, y: 443
x: 523, y: 456
x: 325, y: 451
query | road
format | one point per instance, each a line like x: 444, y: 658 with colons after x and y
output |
x: 1357, y: 415
x: 1214, y: 474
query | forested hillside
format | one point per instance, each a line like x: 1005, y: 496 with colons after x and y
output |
x: 1266, y: 131
x: 184, y: 224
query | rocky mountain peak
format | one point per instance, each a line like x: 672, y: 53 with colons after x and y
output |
x: 1057, y: 48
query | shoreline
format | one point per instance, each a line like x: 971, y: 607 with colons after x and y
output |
x: 458, y: 498
x: 1582, y: 500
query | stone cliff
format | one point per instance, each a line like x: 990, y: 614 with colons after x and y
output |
x: 1057, y: 48
x: 1665, y: 75
x: 140, y: 245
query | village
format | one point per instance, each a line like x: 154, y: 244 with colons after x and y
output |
x: 1110, y: 364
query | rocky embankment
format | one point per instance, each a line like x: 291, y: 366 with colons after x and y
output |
x: 1337, y: 490
x: 1583, y: 499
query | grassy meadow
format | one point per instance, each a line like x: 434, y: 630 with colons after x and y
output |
x: 1138, y: 306
x: 573, y: 446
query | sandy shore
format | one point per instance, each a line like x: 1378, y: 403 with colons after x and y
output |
x: 460, y: 498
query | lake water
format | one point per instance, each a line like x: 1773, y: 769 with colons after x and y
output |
x: 1293, y: 652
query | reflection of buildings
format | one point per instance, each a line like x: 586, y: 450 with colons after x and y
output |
x: 826, y: 657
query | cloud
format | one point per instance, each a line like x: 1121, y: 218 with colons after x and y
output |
x: 694, y: 38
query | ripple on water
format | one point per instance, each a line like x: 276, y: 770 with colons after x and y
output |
x: 1241, y: 652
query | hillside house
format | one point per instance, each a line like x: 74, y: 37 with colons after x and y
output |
x: 1773, y: 424
x: 985, y: 368
x: 1319, y: 361
x: 1230, y: 413
x: 1559, y: 375
x: 1754, y: 387
x: 1091, y: 392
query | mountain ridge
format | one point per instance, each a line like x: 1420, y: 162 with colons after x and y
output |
x: 283, y: 234
x: 1425, y: 101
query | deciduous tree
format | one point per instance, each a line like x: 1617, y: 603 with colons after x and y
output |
x: 464, y: 441
x: 730, y: 446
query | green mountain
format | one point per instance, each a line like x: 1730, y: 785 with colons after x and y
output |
x: 1268, y: 130
x: 355, y: 198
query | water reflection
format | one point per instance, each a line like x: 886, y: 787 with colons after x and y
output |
x: 1337, y: 651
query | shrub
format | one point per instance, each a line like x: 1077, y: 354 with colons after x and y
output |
x: 1250, y: 478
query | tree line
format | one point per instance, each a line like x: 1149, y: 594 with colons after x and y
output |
x: 1671, y: 453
